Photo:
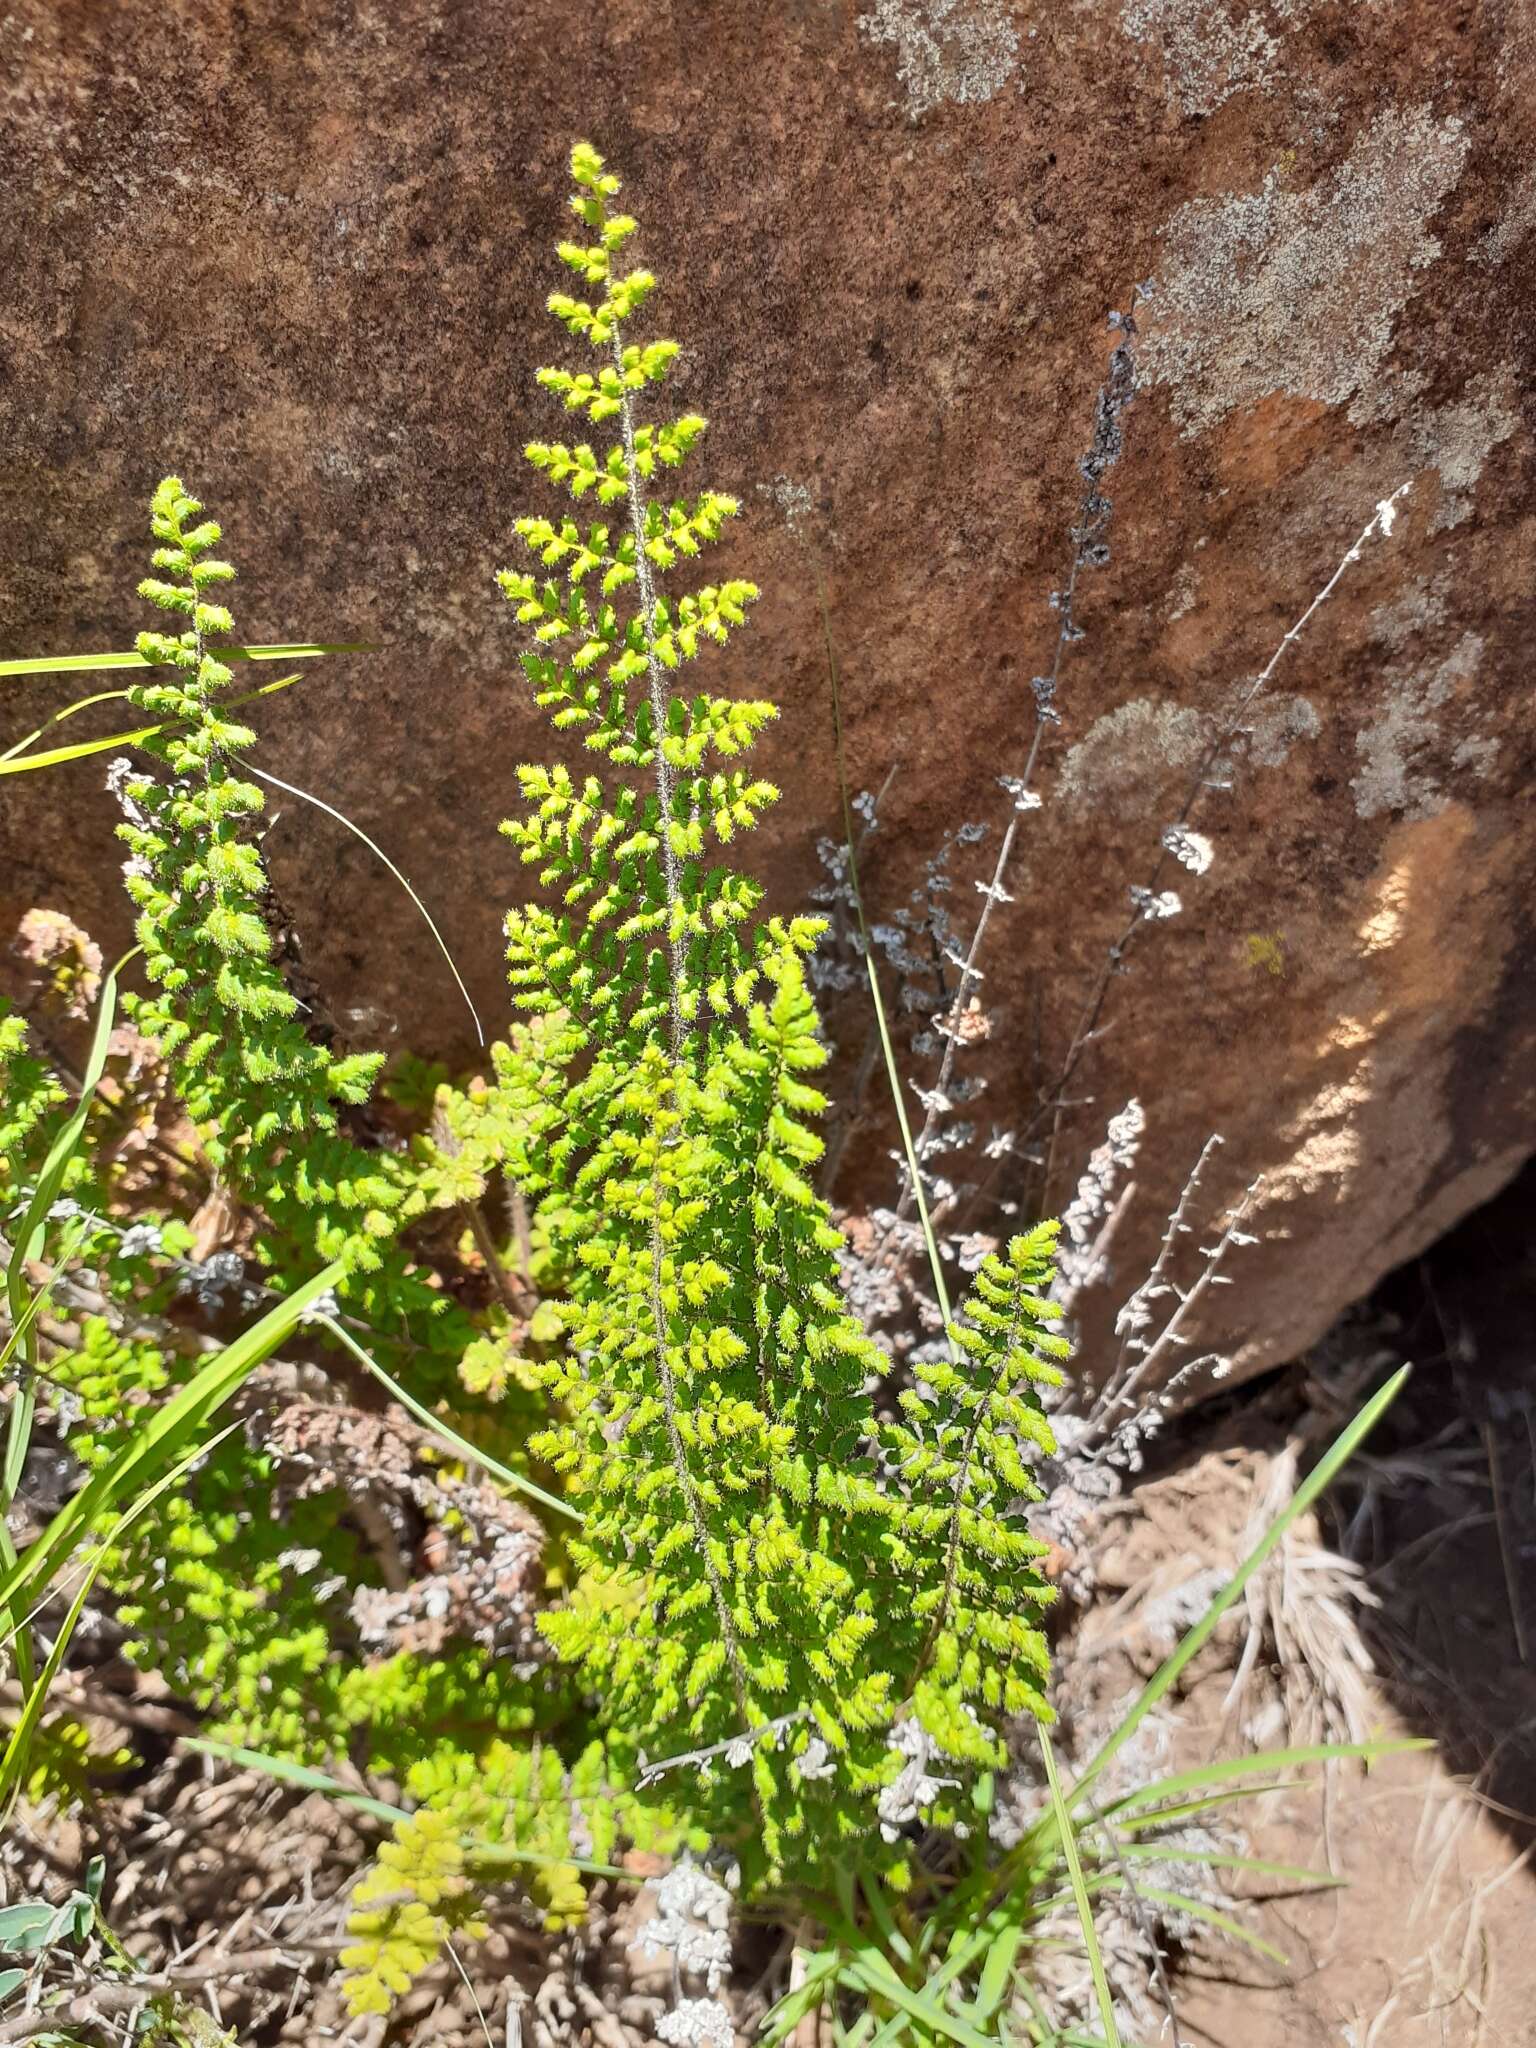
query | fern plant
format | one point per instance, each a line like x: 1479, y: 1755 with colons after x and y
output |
x: 778, y: 1575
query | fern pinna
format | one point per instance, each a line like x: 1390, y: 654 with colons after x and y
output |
x: 771, y: 1572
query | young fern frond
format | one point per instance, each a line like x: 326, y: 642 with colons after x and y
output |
x: 963, y: 1439
x: 266, y: 1093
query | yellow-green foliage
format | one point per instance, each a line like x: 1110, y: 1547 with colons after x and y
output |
x: 266, y: 1092
x: 755, y: 1556
x: 404, y: 1909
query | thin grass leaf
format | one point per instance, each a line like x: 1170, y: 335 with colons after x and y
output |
x: 968, y: 1943
x: 27, y: 1246
x: 1222, y: 1922
x: 1217, y: 1859
x: 1338, y: 1454
x: 1186, y: 1808
x: 58, y: 718
x: 869, y: 1970
x: 1068, y: 1836
x: 303, y: 1775
x: 997, y: 1974
x: 265, y: 775
x: 13, y: 1765
x: 887, y: 1050
x: 74, y: 664
x: 880, y: 1912
x: 17, y: 761
x: 161, y: 1438
x: 1231, y: 1767
x: 445, y: 1433
x: 482, y: 1857
x: 782, y: 2019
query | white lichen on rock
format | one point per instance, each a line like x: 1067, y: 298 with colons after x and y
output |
x: 1507, y: 233
x: 1208, y: 54
x: 1398, y: 746
x: 1458, y: 437
x: 1299, y: 292
x: 960, y: 50
x: 796, y: 504
x: 1125, y: 756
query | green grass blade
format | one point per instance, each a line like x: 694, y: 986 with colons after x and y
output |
x: 76, y: 664
x: 480, y: 1856
x: 780, y: 2021
x: 880, y: 1912
x: 873, y: 1973
x: 17, y: 761
x: 1068, y: 1836
x: 1338, y: 1454
x: 13, y: 1765
x: 330, y: 810
x: 303, y: 1775
x: 1233, y: 1767
x: 1185, y: 1809
x: 29, y: 1236
x: 1218, y: 1859
x: 161, y: 1438
x: 58, y: 718
x: 445, y: 1433
x: 20, y: 1303
x: 1234, y: 1930
x: 997, y: 1974
x: 887, y: 1050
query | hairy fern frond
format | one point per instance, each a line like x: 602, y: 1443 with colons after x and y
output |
x: 267, y: 1092
x: 404, y: 1909
x: 758, y: 1580
x: 962, y: 1449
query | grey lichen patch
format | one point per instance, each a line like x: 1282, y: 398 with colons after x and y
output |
x: 1457, y: 439
x: 1277, y: 724
x: 1399, y: 771
x: 1124, y: 757
x: 1278, y: 291
x: 796, y: 504
x: 1417, y: 608
x: 1208, y: 53
x: 1183, y: 592
x: 960, y: 50
x: 1507, y: 233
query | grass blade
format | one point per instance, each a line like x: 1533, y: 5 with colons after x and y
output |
x: 1230, y: 1767
x: 76, y: 664
x: 303, y: 1775
x: 24, y: 1581
x: 1220, y: 1859
x: 482, y: 1856
x: 13, y: 1765
x: 873, y: 1973
x: 22, y: 1306
x: 265, y: 775
x: 445, y: 1433
x: 1068, y: 1836
x: 1222, y: 1922
x: 17, y: 761
x: 1338, y: 1453
x: 887, y: 1050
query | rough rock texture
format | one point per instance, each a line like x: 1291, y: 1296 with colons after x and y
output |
x: 297, y: 253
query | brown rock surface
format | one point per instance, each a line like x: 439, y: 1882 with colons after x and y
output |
x: 297, y: 253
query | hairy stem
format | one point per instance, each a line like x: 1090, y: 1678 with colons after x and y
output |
x: 645, y: 586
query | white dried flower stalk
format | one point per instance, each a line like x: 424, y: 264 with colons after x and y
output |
x: 697, y: 2023
x: 1189, y: 848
